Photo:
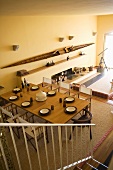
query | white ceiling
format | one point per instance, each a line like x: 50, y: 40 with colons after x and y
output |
x: 56, y: 7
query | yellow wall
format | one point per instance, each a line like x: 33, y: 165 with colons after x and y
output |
x: 39, y: 34
x: 104, y: 26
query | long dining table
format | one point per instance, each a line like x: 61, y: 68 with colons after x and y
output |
x: 57, y: 115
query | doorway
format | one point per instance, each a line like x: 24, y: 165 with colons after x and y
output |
x: 108, y: 53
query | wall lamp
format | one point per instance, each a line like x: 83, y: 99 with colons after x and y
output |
x: 15, y: 47
x: 71, y: 37
x: 94, y: 33
x: 61, y: 39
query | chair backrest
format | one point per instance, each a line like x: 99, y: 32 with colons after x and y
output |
x: 64, y: 85
x: 86, y: 118
x: 6, y: 112
x: 47, y: 80
x: 21, y: 120
x: 38, y: 129
x: 85, y: 90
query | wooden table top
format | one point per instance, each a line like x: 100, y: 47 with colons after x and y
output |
x: 57, y: 115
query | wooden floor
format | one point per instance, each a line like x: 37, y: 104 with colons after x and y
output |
x: 106, y: 147
x: 102, y: 152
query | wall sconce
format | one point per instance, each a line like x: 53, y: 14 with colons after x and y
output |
x: 71, y: 37
x: 94, y: 33
x: 15, y: 47
x: 61, y: 39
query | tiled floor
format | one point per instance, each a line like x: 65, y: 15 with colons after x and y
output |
x: 103, y: 84
x: 100, y: 82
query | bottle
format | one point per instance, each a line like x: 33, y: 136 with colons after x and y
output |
x: 22, y: 85
x: 25, y: 82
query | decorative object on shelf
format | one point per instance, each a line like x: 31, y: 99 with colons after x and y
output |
x: 84, y: 69
x: 48, y: 55
x: 90, y: 68
x: 66, y: 50
x: 22, y: 72
x: 56, y: 53
x: 67, y: 58
x: 61, y: 39
x: 50, y: 63
x: 81, y: 53
x: 94, y: 33
x: 71, y: 37
x: 15, y: 47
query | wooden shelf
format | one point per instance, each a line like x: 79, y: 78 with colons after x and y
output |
x: 58, y: 62
x: 54, y: 53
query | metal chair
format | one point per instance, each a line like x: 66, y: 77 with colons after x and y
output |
x: 85, y: 118
x: 85, y: 94
x: 11, y: 108
x: 29, y: 130
x: 8, y: 117
x: 47, y: 82
x: 64, y: 87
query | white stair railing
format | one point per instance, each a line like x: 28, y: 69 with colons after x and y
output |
x: 57, y: 154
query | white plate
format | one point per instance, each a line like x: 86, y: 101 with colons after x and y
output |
x: 13, y: 98
x: 34, y: 87
x: 25, y: 104
x: 41, y: 100
x: 70, y: 109
x: 44, y: 111
x: 16, y: 89
x: 52, y: 92
x: 69, y: 99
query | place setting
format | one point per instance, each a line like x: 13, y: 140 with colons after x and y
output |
x: 69, y: 99
x: 16, y: 90
x: 51, y: 93
x: 26, y: 104
x: 34, y: 88
x: 13, y: 98
x: 70, y: 109
x: 44, y: 112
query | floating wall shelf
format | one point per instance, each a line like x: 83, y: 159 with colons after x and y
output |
x: 54, y: 53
